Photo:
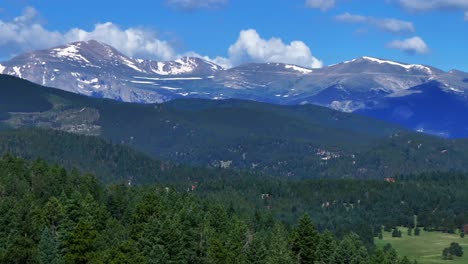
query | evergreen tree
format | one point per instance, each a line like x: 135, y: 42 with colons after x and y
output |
x: 255, y: 251
x: 278, y: 251
x: 79, y: 245
x: 351, y: 250
x: 326, y: 248
x: 455, y: 249
x: 163, y: 241
x: 49, y: 252
x: 305, y: 241
x: 54, y: 213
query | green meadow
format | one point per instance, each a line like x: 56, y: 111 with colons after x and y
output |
x: 425, y: 248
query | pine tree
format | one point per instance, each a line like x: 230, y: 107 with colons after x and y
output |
x: 305, y: 241
x: 49, y: 252
x: 54, y: 213
x: 326, y: 248
x: 351, y: 250
x: 256, y: 251
x: 79, y: 245
x: 279, y: 251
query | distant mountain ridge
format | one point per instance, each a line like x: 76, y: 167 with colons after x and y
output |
x: 365, y: 85
x: 304, y: 141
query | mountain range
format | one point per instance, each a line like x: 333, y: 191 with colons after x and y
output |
x: 299, y: 141
x: 419, y: 97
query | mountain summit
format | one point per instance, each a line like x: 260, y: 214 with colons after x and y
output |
x: 99, y: 70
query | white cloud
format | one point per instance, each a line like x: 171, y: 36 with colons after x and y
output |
x: 427, y: 5
x: 221, y: 61
x: 387, y: 24
x: 412, y: 45
x: 134, y: 42
x: 196, y: 4
x: 250, y: 47
x: 323, y: 5
x: 347, y: 17
x: 26, y: 32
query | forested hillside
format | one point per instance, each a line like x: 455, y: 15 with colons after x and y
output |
x: 292, y: 141
x: 436, y: 201
x: 51, y: 215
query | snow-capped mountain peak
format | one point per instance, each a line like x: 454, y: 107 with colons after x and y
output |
x: 96, y: 69
x: 298, y: 68
x: 71, y: 52
x: 184, y: 66
x: 403, y: 65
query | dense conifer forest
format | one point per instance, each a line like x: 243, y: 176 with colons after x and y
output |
x: 51, y: 215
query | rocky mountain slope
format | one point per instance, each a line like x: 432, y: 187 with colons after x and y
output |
x: 363, y: 85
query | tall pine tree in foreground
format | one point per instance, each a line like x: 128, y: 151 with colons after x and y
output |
x: 305, y: 241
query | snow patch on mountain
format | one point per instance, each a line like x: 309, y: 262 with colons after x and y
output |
x: 130, y: 64
x: 92, y: 81
x: 71, y: 52
x: 297, y: 68
x: 2, y: 68
x: 181, y: 66
x: 17, y: 71
x: 169, y: 79
x: 406, y: 66
x: 142, y: 82
x: 347, y: 106
x: 170, y: 88
x: 402, y: 93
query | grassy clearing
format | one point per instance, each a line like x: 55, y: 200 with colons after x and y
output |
x: 426, y: 248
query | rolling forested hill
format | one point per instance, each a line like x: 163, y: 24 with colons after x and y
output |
x: 296, y: 141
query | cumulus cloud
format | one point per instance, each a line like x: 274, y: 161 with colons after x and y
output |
x: 250, y: 47
x: 323, y: 5
x: 426, y: 5
x: 387, y: 24
x: 196, y: 4
x: 26, y: 32
x: 412, y: 45
x: 134, y: 42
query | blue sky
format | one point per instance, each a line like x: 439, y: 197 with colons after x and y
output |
x: 430, y: 32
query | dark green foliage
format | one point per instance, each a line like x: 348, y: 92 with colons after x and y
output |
x: 305, y: 241
x: 311, y: 141
x: 417, y: 231
x: 446, y: 254
x: 350, y: 250
x: 455, y: 249
x: 48, y: 247
x: 279, y: 251
x: 396, y: 233
x: 327, y: 248
x: 75, y: 219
